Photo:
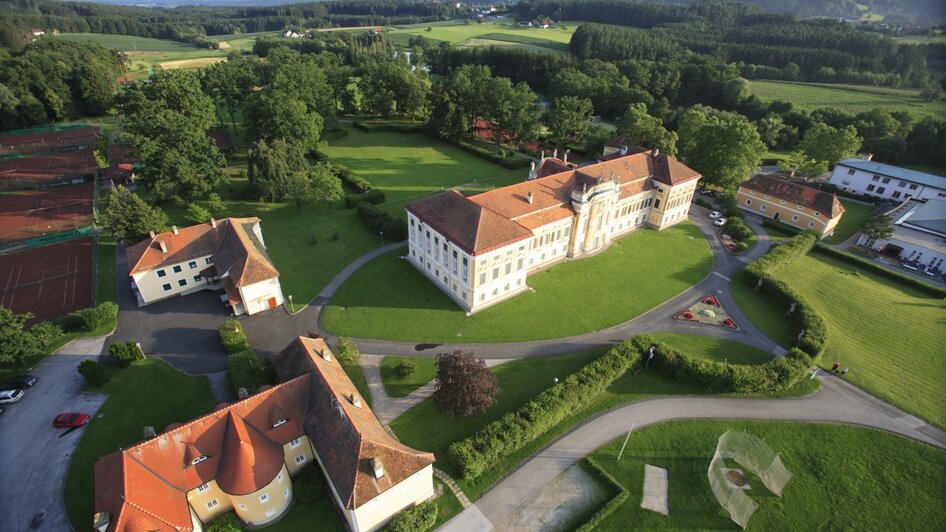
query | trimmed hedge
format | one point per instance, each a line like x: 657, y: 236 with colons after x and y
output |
x: 377, y: 220
x: 247, y: 370
x: 124, y: 353
x: 779, y: 374
x: 233, y: 337
x: 613, y: 504
x: 873, y: 267
x: 512, y: 162
x: 387, y: 127
x: 805, y: 318
x: 515, y: 430
x: 94, y: 373
x: 374, y: 197
x: 346, y: 175
x: 738, y: 229
x: 420, y: 518
x: 90, y: 319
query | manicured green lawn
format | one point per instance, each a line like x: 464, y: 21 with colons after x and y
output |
x: 410, y: 166
x: 716, y: 349
x: 855, y: 214
x: 138, y: 396
x: 503, y: 33
x: 390, y: 299
x: 845, y: 478
x: 851, y: 98
x: 426, y: 371
x: 426, y: 428
x: 304, y: 514
x: 890, y: 336
x: 761, y: 312
x: 353, y: 370
x: 448, y: 506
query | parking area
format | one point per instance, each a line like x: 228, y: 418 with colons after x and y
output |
x: 36, y: 454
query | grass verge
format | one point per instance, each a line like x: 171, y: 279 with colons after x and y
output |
x: 424, y: 372
x: 716, y: 349
x: 855, y: 214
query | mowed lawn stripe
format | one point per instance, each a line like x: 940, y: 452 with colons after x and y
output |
x: 390, y: 299
x: 892, y: 337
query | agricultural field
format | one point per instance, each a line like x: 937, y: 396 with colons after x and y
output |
x: 497, y: 33
x: 852, y: 98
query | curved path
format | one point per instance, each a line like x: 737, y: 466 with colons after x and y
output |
x: 837, y: 402
x: 268, y: 332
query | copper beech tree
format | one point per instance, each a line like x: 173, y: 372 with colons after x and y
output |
x: 465, y: 386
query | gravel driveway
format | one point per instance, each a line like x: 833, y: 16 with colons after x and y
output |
x: 35, y: 454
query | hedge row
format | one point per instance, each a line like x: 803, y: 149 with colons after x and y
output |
x: 247, y: 370
x: 377, y: 220
x: 346, y: 175
x: 420, y: 518
x: 387, y: 127
x: 511, y: 162
x: 374, y: 197
x: 779, y: 374
x: 515, y: 430
x: 89, y: 319
x: 233, y: 337
x: 780, y: 227
x: 804, y: 318
x: 613, y: 504
x: 908, y: 280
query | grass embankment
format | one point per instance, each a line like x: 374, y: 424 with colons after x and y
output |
x: 425, y: 370
x: 836, y: 485
x: 498, y: 33
x: 851, y: 98
x: 716, y: 349
x: 855, y: 214
x: 888, y: 334
x: 390, y: 299
x: 149, y: 392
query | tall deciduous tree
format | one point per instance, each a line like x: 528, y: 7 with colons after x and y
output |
x: 273, y: 164
x: 392, y: 88
x: 510, y: 110
x: 878, y: 227
x: 647, y: 130
x: 230, y: 82
x: 127, y: 216
x: 724, y: 147
x: 465, y: 386
x: 569, y: 120
x: 798, y: 162
x: 325, y: 185
x: 16, y: 341
x: 276, y: 115
x: 829, y: 145
x: 459, y: 99
x: 167, y: 121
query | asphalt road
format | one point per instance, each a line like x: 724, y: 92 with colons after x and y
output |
x: 35, y: 455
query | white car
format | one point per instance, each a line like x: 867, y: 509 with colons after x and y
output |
x: 715, y: 214
x: 10, y: 396
x: 719, y: 221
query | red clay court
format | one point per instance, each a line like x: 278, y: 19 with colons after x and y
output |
x: 49, y: 281
x: 42, y: 212
x: 44, y: 141
x: 28, y: 172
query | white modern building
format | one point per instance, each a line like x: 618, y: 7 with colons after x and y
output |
x: 229, y: 254
x: 919, y: 236
x: 864, y: 176
x: 480, y: 249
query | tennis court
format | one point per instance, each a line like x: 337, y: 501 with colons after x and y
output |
x: 43, y: 212
x: 21, y: 173
x: 49, y: 281
x: 46, y: 141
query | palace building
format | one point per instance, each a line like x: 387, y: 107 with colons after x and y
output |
x: 480, y: 249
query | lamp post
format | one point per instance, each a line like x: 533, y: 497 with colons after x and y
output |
x: 291, y: 308
x: 381, y: 233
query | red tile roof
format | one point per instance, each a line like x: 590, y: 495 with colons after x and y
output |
x: 250, y: 460
x: 234, y: 247
x: 346, y: 437
x: 473, y: 228
x: 818, y: 200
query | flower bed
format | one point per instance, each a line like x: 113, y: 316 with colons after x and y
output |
x: 708, y: 311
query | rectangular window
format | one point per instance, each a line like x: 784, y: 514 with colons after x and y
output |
x: 285, y: 493
x: 657, y: 203
x: 264, y: 497
x: 466, y: 269
x: 208, y: 260
x: 896, y: 194
x: 279, y: 477
x: 875, y: 178
x: 162, y: 273
x: 880, y: 190
x: 192, y: 264
x: 850, y: 171
x: 212, y: 503
x: 202, y: 488
x: 166, y: 286
x: 520, y: 264
x: 885, y: 180
x: 198, y: 278
x: 300, y: 459
x: 870, y: 188
x: 483, y: 277
x: 182, y: 282
x: 508, y: 268
x: 177, y: 269
x: 496, y: 273
x: 902, y: 184
x: 912, y: 186
x: 295, y: 443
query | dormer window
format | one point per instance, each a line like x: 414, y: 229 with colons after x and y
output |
x: 199, y: 459
x: 377, y: 467
x: 278, y: 422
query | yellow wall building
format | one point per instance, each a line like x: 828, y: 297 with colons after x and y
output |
x: 794, y: 204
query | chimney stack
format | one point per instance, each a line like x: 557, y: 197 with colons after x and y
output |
x: 174, y: 228
x: 656, y: 152
x: 242, y: 393
x: 355, y: 400
x: 565, y: 157
x: 213, y: 223
x: 624, y: 150
x: 152, y: 234
x: 530, y: 197
x: 164, y: 246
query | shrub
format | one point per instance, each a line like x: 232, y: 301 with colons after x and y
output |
x: 90, y: 319
x: 417, y: 519
x: 738, y: 229
x: 374, y: 197
x: 233, y: 338
x: 246, y: 371
x: 124, y: 353
x: 729, y: 207
x: 405, y: 368
x: 515, y: 430
x: 309, y: 485
x: 703, y: 203
x: 95, y: 374
x: 377, y: 220
x: 228, y: 522
x: 345, y: 349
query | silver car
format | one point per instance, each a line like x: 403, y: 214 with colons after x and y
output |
x: 11, y: 396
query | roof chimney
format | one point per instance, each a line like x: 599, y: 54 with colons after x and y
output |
x: 624, y: 149
x: 530, y: 197
x: 565, y: 157
x: 656, y: 152
x: 148, y: 432
x: 869, y: 156
x: 213, y: 223
x: 101, y: 520
x: 174, y: 228
x: 355, y: 400
x: 377, y: 467
x: 325, y: 354
x: 242, y: 393
x: 164, y: 246
x: 151, y: 233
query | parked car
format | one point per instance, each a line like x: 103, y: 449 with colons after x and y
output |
x: 719, y: 221
x: 10, y: 396
x: 70, y: 420
x: 19, y: 383
x: 714, y: 215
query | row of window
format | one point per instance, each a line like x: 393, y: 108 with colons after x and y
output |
x: 177, y: 268
x: 885, y: 180
x: 181, y: 283
x: 794, y: 218
x: 782, y: 202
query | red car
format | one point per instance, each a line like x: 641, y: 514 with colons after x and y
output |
x: 70, y: 419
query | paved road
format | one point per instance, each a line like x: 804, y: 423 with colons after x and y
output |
x: 837, y: 402
x: 34, y: 456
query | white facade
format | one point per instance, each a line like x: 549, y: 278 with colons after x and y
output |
x: 886, y: 181
x: 172, y: 280
x: 260, y: 296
